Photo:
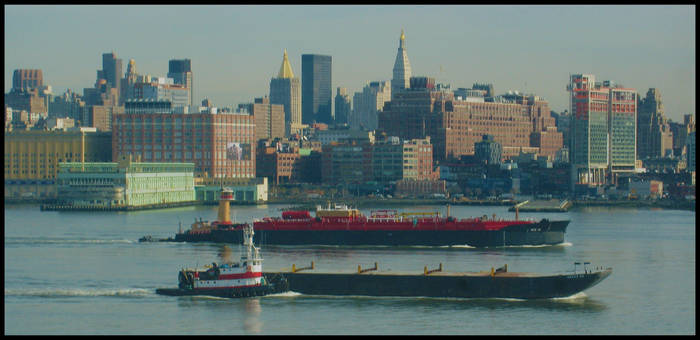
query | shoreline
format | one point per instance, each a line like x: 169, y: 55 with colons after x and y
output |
x: 366, y: 203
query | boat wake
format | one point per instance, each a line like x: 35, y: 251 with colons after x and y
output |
x: 30, y: 240
x: 77, y: 292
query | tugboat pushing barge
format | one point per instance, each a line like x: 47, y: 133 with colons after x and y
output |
x: 230, y: 279
x: 344, y: 226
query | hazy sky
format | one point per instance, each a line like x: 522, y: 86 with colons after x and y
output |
x: 235, y: 50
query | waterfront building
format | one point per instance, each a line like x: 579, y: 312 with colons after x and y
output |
x: 180, y: 70
x: 337, y: 135
x: 244, y: 190
x: 124, y: 184
x: 282, y: 161
x: 343, y: 106
x: 346, y: 163
x: 269, y: 118
x: 368, y: 103
x: 655, y: 138
x: 691, y: 152
x: 603, y: 131
x: 488, y: 150
x: 32, y: 157
x: 220, y: 145
x: 286, y: 90
x: 456, y: 125
x: 393, y: 159
x: 316, y: 90
x: 402, y: 68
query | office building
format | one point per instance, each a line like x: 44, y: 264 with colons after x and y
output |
x: 269, y: 118
x: 603, y: 131
x: 654, y: 136
x: 285, y: 90
x: 111, y: 72
x: 343, y: 106
x: 454, y: 125
x: 316, y: 90
x: 691, y: 152
x: 368, y: 103
x: 220, y: 145
x: 180, y: 70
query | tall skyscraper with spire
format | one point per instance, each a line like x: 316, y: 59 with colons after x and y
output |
x: 402, y: 68
x: 286, y: 90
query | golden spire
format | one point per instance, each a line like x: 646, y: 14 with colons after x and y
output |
x: 285, y: 69
x: 402, y: 36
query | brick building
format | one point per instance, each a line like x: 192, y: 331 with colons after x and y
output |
x: 220, y: 145
x: 454, y: 125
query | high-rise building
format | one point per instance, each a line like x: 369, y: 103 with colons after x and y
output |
x: 27, y: 79
x: 286, y: 91
x: 603, y: 130
x: 654, y: 136
x: 180, y: 70
x: 269, y: 118
x: 111, y: 71
x: 368, y: 103
x: 342, y: 106
x: 680, y: 133
x: 691, y: 151
x: 316, y: 90
x: 402, y: 68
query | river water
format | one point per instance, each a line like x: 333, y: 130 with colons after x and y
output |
x: 86, y: 273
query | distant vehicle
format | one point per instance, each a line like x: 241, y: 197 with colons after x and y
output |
x: 438, y: 195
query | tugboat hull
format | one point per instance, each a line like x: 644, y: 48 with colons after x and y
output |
x: 276, y: 284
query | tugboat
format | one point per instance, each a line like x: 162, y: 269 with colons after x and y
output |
x: 230, y: 279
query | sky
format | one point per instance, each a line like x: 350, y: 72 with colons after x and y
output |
x: 236, y: 49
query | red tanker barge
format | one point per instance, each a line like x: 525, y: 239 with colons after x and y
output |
x: 342, y: 225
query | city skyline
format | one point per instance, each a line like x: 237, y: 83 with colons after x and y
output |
x: 235, y: 49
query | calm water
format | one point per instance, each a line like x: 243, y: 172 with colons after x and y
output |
x: 85, y: 273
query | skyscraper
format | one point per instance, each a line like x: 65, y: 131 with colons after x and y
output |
x: 181, y: 72
x: 603, y: 130
x: 368, y: 103
x: 402, y: 68
x: 286, y: 90
x: 654, y: 135
x: 342, y: 106
x: 316, y: 93
x: 111, y: 71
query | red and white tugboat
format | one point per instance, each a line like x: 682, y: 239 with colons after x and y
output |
x: 229, y: 279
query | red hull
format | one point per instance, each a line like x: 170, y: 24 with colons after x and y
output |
x: 364, y: 224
